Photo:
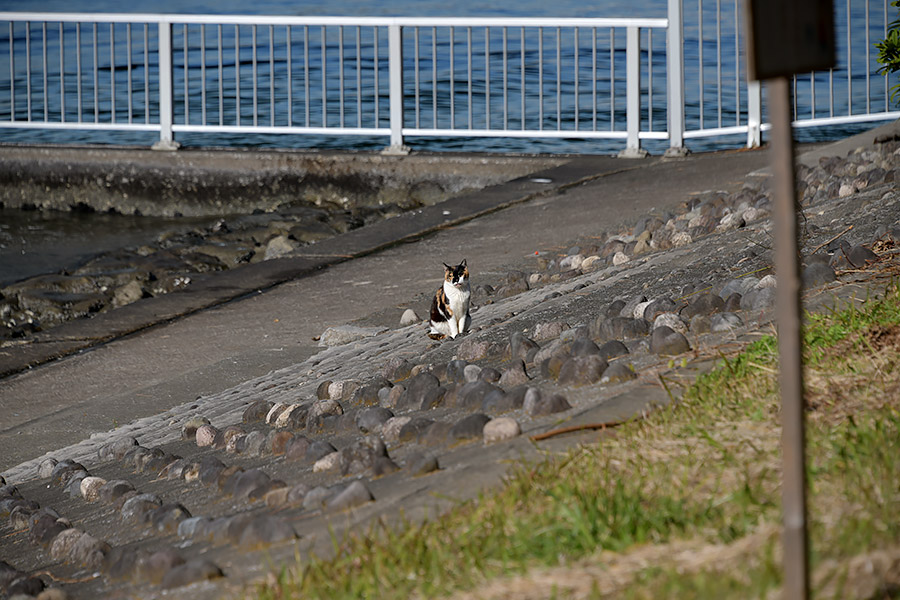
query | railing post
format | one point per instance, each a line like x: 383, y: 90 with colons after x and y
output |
x: 754, y: 114
x: 633, y: 95
x: 166, y: 90
x: 395, y: 73
x: 675, y: 78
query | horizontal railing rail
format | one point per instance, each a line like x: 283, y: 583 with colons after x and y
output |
x: 622, y: 79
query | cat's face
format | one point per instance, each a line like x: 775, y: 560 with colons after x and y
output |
x: 457, y: 275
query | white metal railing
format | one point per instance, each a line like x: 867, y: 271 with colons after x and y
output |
x: 615, y: 79
x: 720, y: 101
x: 400, y: 77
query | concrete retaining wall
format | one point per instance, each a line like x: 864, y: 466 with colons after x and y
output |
x: 220, y: 182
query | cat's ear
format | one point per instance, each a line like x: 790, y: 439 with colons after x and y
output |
x: 463, y: 263
x: 447, y: 267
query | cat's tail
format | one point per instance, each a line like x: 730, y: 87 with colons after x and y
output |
x: 436, y: 335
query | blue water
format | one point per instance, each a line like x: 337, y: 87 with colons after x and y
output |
x: 706, y: 64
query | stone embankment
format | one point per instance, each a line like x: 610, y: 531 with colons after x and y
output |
x: 115, y: 279
x: 269, y: 204
x: 387, y: 424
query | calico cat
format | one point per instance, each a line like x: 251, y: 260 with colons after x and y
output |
x: 450, y: 305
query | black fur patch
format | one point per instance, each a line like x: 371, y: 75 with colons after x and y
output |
x: 440, y: 308
x: 455, y: 274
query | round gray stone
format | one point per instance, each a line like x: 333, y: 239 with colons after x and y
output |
x: 726, y: 321
x: 470, y: 427
x: 665, y: 341
x: 582, y: 370
x: 355, y: 494
x: 612, y: 349
x: 618, y: 372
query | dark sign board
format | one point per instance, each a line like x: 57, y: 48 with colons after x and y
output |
x: 788, y: 37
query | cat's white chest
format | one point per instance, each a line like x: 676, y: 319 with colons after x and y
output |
x: 458, y: 298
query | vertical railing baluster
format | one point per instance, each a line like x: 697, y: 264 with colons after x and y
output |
x: 237, y: 75
x: 701, y: 82
x: 289, y: 49
x: 719, y: 60
x: 166, y: 89
x: 254, y: 73
x: 12, y: 74
x: 794, y: 96
x: 558, y: 78
x: 487, y: 77
x: 376, y: 64
x: 44, y: 55
x: 28, y: 69
x: 849, y: 65
x: 505, y: 78
x: 633, y: 91
x: 416, y: 73
x: 540, y: 78
x: 650, y: 80
x: 77, y: 68
x: 324, y: 86
x: 612, y: 78
x: 812, y: 89
x: 96, y: 57
x: 452, y: 78
x: 129, y: 46
x: 112, y: 73
x: 272, y: 75
x: 522, y: 73
x: 868, y: 63
x: 831, y: 92
x: 754, y: 114
x: 186, y: 81
x: 434, y: 86
x: 738, y: 65
x: 146, y: 73
x: 341, y: 75
x: 358, y: 78
x: 221, y: 70
x: 395, y: 68
x: 577, y: 52
x: 594, y: 79
x: 62, y: 76
x: 306, y: 94
x: 469, y: 72
x: 203, y: 73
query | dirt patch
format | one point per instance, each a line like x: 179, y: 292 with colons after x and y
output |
x: 884, y: 338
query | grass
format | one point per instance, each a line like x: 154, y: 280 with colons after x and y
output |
x: 685, y: 503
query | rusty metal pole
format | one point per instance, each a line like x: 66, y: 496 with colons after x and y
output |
x: 787, y: 268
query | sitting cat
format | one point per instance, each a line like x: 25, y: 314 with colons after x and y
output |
x: 450, y: 305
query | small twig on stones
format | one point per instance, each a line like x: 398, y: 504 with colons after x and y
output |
x: 753, y: 272
x: 573, y: 428
x: 823, y: 244
x: 763, y: 246
x: 66, y: 579
x: 762, y: 368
